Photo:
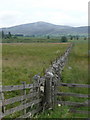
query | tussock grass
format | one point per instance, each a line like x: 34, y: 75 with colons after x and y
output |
x: 20, y: 62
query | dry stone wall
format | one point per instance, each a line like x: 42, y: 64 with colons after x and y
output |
x: 48, y: 83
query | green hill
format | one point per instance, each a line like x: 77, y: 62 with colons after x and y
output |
x: 44, y: 28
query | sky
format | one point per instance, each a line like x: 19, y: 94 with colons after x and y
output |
x: 59, y: 12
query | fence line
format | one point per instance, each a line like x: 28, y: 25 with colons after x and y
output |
x: 40, y: 95
x: 75, y: 104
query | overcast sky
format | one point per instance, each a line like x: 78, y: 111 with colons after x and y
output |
x: 60, y: 12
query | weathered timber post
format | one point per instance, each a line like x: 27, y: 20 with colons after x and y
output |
x: 24, y: 93
x: 36, y: 86
x: 3, y: 107
x: 48, y: 91
x: 56, y: 81
x: 53, y: 92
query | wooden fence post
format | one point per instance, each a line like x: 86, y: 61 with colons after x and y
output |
x: 53, y: 93
x: 36, y: 87
x: 3, y: 107
x: 24, y: 92
x: 48, y: 92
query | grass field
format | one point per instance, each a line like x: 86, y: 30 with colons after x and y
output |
x: 20, y: 62
x: 76, y: 71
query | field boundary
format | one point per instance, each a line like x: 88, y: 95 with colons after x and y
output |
x: 43, y: 91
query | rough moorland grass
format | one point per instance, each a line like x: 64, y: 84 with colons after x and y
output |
x: 20, y: 62
x: 76, y: 71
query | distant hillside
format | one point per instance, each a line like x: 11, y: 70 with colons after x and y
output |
x: 44, y: 28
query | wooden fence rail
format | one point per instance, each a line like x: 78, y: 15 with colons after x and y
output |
x: 74, y: 85
x: 20, y: 107
x: 80, y: 111
x: 17, y: 99
x: 73, y: 94
x: 30, y: 114
x: 75, y: 104
x: 15, y: 87
x: 29, y: 100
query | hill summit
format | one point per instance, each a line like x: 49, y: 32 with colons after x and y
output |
x: 43, y: 28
